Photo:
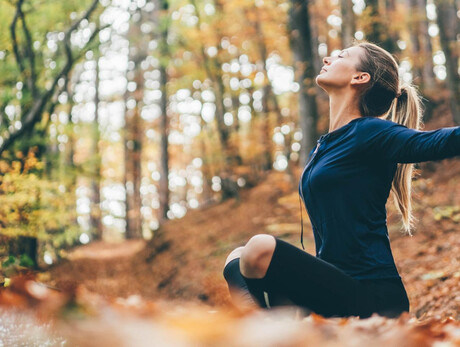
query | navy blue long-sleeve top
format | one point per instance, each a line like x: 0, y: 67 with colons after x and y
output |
x: 347, y: 181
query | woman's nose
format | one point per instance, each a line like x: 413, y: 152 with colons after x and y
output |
x: 326, y: 60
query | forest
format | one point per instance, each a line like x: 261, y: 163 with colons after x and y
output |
x: 141, y: 141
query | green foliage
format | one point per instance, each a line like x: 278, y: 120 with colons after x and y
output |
x: 9, y: 261
x: 12, y: 265
x: 26, y: 261
x: 23, y: 260
x: 32, y: 57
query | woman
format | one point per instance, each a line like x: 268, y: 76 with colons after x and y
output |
x: 345, y: 186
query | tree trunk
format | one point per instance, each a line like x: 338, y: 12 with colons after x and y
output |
x: 133, y: 173
x: 134, y: 133
x: 314, y: 34
x: 390, y: 4
x: 96, y: 178
x: 235, y: 107
x: 222, y: 129
x: 301, y: 44
x: 414, y: 33
x: 421, y: 45
x: 348, y: 22
x: 164, y: 156
x: 428, y: 80
x: 267, y: 92
x: 377, y: 29
x: 448, y: 30
x: 212, y: 67
x: 205, y: 168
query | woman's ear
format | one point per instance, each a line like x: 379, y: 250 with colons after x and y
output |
x: 360, y: 78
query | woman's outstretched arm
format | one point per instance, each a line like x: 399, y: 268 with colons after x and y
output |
x: 394, y: 142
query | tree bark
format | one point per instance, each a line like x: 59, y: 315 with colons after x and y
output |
x: 421, y: 45
x: 212, y: 67
x: 448, y: 30
x: 348, y: 22
x: 301, y: 45
x: 133, y: 174
x: 164, y: 156
x: 428, y: 79
x: 377, y: 28
x: 267, y: 93
x: 413, y: 19
x: 96, y: 222
x: 134, y: 133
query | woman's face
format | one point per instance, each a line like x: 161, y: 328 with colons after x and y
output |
x: 340, y: 72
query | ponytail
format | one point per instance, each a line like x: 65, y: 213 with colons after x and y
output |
x: 405, y: 110
x: 386, y: 97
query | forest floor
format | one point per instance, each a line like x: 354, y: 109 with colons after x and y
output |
x: 186, y: 265
x: 170, y: 290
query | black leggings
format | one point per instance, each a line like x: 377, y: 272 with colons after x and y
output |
x: 318, y: 286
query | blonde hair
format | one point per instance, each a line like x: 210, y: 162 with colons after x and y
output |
x: 386, y: 96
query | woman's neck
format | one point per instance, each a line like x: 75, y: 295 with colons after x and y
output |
x: 343, y: 108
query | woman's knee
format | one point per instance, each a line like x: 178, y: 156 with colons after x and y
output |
x: 256, y: 255
x: 236, y: 253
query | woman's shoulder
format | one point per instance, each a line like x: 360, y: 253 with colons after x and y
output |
x: 373, y: 125
x: 369, y: 129
x: 378, y: 122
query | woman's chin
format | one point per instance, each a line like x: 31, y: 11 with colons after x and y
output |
x: 320, y: 81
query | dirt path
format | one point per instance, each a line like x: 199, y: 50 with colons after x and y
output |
x: 107, y: 251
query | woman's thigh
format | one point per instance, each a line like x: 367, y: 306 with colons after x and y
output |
x: 311, y: 282
x: 325, y: 289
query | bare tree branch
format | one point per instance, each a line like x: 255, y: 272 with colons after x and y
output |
x: 30, y: 54
x: 90, y: 40
x: 55, y: 101
x: 86, y: 15
x: 16, y: 52
x: 34, y: 114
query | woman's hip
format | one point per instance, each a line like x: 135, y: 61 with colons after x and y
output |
x: 384, y: 296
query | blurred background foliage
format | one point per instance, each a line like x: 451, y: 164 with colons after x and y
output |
x: 116, y: 116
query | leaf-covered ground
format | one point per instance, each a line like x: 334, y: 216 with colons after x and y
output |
x: 170, y: 291
x: 185, y: 262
